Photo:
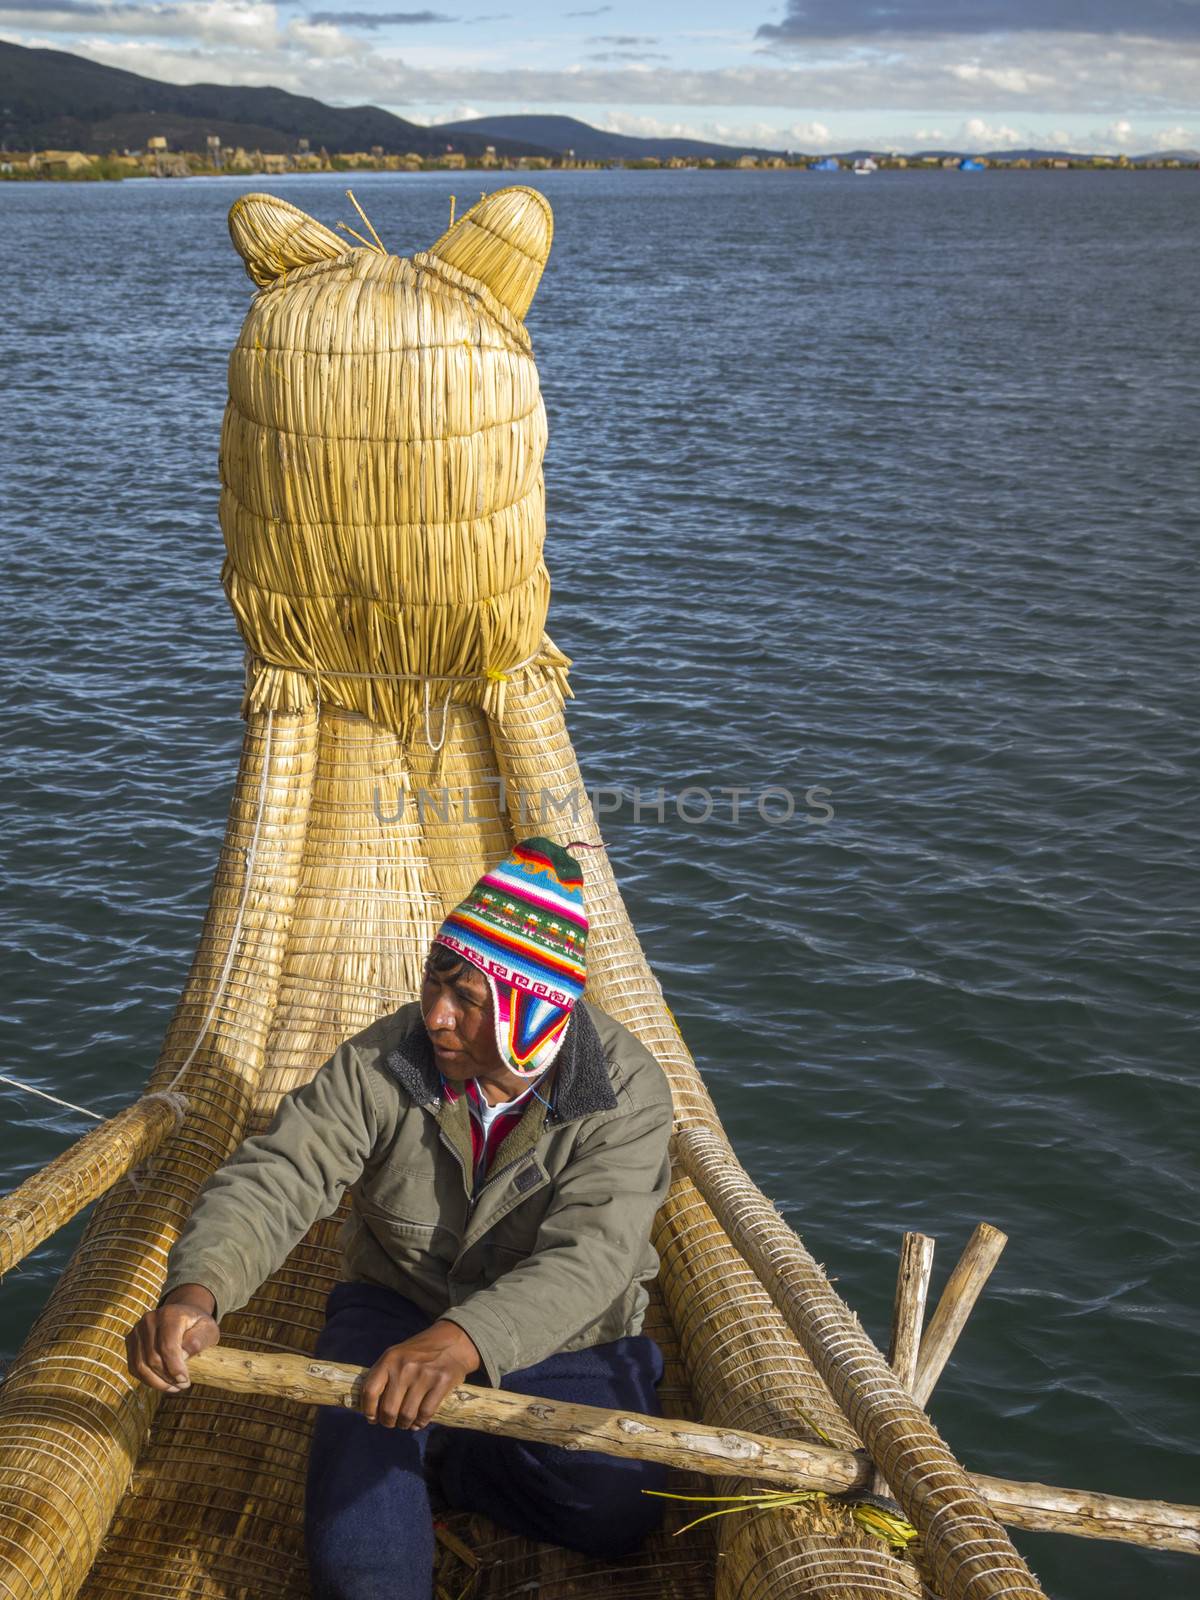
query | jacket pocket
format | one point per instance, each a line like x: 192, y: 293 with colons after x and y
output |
x: 402, y: 1197
x: 422, y: 1249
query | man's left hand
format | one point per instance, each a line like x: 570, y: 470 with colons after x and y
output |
x: 411, y: 1379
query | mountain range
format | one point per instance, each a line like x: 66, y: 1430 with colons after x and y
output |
x: 53, y: 100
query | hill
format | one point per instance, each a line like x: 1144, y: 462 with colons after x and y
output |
x: 50, y: 99
x: 558, y: 134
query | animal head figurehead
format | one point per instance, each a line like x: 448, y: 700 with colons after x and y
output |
x: 381, y: 464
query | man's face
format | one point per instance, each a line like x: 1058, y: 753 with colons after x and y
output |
x: 457, y: 1008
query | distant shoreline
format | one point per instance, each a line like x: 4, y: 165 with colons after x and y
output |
x: 74, y: 166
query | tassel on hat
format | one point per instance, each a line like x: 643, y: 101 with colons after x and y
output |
x: 523, y: 925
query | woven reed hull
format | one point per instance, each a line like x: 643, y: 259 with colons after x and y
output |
x: 112, y: 1491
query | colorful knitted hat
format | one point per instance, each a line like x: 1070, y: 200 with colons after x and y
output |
x: 523, y: 925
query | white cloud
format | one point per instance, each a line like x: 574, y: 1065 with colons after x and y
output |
x: 1011, y: 80
x: 1119, y: 133
x: 246, y: 24
x: 976, y: 134
x: 808, y: 136
x: 766, y: 135
x: 320, y: 40
x: 1177, y: 138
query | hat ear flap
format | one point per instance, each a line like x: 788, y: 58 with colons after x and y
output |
x: 272, y: 237
x: 504, y: 243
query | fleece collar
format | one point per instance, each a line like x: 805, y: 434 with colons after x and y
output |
x: 581, y: 1083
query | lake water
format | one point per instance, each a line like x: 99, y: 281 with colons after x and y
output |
x: 885, y: 488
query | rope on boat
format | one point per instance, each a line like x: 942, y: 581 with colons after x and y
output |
x: 29, y: 1089
x: 491, y: 675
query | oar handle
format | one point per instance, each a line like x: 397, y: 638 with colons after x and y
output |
x: 676, y: 1443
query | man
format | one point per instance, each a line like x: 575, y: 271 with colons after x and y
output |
x: 506, y: 1144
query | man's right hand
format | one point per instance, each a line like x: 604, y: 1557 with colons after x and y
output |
x: 158, y: 1346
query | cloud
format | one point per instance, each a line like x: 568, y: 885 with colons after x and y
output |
x: 1009, y: 80
x: 976, y: 134
x: 808, y: 136
x: 630, y: 47
x: 1119, y: 133
x: 1177, y: 138
x: 1006, y: 80
x: 627, y: 55
x: 213, y: 22
x: 378, y: 19
x: 596, y: 11
x: 856, y: 19
x: 68, y: 8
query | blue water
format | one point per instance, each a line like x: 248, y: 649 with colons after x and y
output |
x: 884, y: 489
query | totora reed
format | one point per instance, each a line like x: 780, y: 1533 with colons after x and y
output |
x: 383, y: 511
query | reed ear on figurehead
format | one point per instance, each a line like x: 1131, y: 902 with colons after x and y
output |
x: 504, y: 242
x: 272, y: 236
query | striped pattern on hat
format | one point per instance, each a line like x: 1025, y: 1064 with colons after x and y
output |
x: 523, y: 923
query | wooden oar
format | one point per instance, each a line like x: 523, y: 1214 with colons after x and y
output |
x: 695, y: 1446
x: 574, y: 1427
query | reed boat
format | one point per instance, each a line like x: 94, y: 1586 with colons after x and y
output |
x: 383, y: 513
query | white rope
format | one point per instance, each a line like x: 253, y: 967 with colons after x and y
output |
x: 177, y: 1102
x: 29, y: 1089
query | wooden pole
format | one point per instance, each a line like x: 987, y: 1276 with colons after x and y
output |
x: 48, y: 1199
x: 1041, y: 1508
x: 695, y: 1447
x: 908, y: 1308
x: 963, y: 1288
x: 908, y: 1314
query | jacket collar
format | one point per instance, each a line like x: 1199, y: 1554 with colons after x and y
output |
x: 581, y: 1083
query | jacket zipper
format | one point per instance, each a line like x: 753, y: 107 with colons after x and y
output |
x: 468, y: 1183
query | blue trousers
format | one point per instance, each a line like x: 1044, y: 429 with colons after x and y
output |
x: 368, y: 1526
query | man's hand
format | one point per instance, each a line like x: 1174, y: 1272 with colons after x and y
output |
x: 411, y: 1379
x: 158, y: 1346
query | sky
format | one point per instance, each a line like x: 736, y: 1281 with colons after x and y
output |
x: 785, y: 74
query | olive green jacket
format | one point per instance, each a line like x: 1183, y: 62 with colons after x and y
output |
x: 551, y: 1253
